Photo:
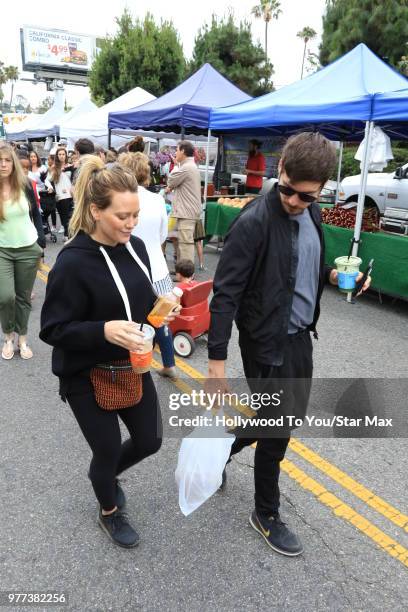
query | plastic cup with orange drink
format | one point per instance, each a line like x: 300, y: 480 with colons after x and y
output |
x: 141, y: 360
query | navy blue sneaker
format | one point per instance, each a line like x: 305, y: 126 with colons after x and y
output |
x: 276, y: 534
x: 118, y: 529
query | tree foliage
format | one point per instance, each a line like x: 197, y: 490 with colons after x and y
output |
x: 381, y: 24
x: 266, y: 10
x: 45, y: 105
x: 229, y: 48
x: 306, y: 34
x: 142, y: 54
x: 7, y: 73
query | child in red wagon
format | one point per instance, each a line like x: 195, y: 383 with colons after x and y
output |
x: 185, y: 274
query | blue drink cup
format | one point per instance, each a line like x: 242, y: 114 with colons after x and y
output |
x: 347, y: 272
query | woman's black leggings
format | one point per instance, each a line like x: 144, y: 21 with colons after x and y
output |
x: 64, y: 208
x: 102, y: 432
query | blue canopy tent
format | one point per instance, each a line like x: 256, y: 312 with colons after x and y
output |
x: 186, y: 107
x: 338, y: 101
x: 390, y: 112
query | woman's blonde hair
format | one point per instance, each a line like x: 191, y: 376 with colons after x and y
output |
x: 138, y: 163
x: 17, y: 179
x: 95, y: 185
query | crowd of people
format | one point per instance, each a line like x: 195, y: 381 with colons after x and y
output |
x: 51, y: 184
x: 110, y: 272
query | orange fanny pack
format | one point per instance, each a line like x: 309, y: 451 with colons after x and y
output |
x: 116, y: 385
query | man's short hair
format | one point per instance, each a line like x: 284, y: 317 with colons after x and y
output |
x: 187, y: 147
x: 308, y: 156
x: 185, y: 267
x: 84, y: 146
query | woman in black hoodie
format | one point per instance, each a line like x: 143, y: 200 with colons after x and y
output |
x: 84, y: 319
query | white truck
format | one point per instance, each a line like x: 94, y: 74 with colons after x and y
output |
x: 384, y: 189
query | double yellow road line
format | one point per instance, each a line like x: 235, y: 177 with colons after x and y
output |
x: 339, y: 508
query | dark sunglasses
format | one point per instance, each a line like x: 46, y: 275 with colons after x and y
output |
x: 289, y: 191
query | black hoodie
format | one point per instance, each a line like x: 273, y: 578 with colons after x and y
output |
x: 82, y: 295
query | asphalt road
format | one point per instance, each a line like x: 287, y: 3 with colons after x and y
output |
x: 346, y: 498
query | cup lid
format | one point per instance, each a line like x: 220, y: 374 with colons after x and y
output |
x: 147, y: 330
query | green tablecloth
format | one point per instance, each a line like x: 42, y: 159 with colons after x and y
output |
x: 390, y: 252
x: 218, y: 218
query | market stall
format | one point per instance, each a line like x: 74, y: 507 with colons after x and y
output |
x: 389, y: 251
x: 339, y: 101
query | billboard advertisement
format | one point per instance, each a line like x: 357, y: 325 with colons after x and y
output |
x: 56, y: 50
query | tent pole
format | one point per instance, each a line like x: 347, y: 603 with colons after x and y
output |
x: 362, y: 191
x: 339, y: 172
x: 207, y: 163
x: 182, y: 133
x: 109, y: 138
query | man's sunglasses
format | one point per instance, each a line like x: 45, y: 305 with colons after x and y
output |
x: 305, y: 197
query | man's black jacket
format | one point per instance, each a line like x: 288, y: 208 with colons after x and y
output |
x: 255, y: 280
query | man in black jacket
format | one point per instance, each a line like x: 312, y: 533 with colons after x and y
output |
x: 270, y: 279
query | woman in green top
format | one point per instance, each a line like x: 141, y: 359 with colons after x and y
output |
x: 21, y: 239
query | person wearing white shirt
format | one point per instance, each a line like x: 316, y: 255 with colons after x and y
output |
x: 152, y: 229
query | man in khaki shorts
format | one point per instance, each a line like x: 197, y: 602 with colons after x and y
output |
x: 185, y: 182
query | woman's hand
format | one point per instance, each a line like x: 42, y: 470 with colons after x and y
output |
x: 125, y: 334
x: 172, y: 315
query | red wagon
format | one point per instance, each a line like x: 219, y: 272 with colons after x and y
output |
x: 193, y: 320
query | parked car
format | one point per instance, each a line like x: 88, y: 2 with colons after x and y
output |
x: 384, y: 189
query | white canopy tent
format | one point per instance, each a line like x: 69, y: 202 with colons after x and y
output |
x: 94, y: 124
x: 85, y: 106
x: 38, y: 126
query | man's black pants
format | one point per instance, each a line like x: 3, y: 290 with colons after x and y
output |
x: 270, y: 450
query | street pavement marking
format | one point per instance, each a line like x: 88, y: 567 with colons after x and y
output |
x: 44, y: 267
x: 339, y: 508
x: 42, y: 277
x: 330, y: 470
x: 367, y: 496
x: 346, y: 512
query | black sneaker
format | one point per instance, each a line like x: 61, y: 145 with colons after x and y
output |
x: 118, y: 528
x: 276, y: 535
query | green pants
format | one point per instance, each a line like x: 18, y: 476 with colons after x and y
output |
x: 18, y: 269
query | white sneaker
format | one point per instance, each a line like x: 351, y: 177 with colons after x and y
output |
x: 61, y: 230
x: 53, y: 229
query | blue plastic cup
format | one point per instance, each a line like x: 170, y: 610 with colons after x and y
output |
x: 347, y: 272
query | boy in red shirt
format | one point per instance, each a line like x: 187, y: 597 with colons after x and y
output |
x: 184, y: 274
x: 255, y: 167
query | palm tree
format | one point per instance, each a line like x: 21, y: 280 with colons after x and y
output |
x: 11, y: 73
x: 306, y: 34
x: 267, y: 10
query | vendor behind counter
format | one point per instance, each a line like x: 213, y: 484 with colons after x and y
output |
x: 255, y: 167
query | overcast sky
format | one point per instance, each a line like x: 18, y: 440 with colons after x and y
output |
x: 97, y: 17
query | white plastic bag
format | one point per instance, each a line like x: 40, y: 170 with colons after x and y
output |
x: 202, y: 458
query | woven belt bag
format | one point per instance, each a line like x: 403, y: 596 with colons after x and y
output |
x: 116, y: 385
